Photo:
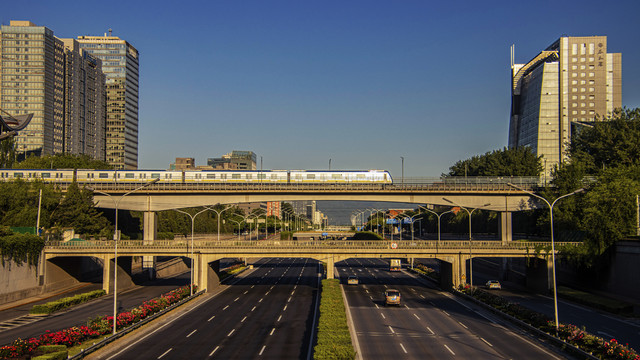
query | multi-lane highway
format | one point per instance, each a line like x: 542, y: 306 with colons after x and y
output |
x: 429, y: 323
x: 268, y: 313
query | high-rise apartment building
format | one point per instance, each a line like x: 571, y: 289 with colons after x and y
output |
x: 565, y: 86
x: 120, y: 62
x: 62, y: 86
x: 85, y: 101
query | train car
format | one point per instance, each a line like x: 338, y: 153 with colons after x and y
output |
x: 95, y: 176
x: 236, y: 176
x: 52, y: 175
x: 148, y: 175
x: 324, y: 176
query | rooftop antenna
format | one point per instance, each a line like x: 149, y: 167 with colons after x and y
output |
x: 110, y: 30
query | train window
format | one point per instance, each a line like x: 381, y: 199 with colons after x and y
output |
x: 223, y: 176
x: 336, y: 176
x: 262, y: 176
x: 155, y: 176
x: 235, y: 176
x: 211, y: 176
x: 129, y: 175
x: 17, y: 175
x: 45, y: 175
x: 103, y: 175
x: 274, y: 176
x: 311, y: 176
x: 143, y: 176
x: 167, y: 176
x: 248, y: 176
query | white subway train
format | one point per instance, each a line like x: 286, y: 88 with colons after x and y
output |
x: 200, y: 176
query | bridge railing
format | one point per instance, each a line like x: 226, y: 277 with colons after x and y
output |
x: 406, y: 184
x: 301, y: 244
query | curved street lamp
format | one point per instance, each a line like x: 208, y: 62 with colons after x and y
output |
x: 553, y: 248
x: 470, y: 237
x: 437, y: 215
x: 193, y: 218
x: 116, y: 237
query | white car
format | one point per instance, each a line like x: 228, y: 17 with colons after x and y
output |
x: 493, y: 284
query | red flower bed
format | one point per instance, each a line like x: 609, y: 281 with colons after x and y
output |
x: 95, y: 328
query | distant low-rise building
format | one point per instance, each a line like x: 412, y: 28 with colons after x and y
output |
x: 235, y: 160
x: 183, y: 164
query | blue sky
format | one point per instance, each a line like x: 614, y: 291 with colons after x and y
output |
x: 359, y: 82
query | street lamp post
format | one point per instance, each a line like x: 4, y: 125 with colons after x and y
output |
x: 470, y: 237
x: 438, y: 216
x: 553, y: 249
x: 116, y: 237
x: 237, y: 222
x: 193, y: 218
x: 402, y: 157
x: 218, y: 213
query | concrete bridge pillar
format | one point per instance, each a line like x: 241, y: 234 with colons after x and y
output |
x: 453, y: 271
x: 149, y: 234
x: 330, y: 266
x: 539, y: 274
x: 207, y: 272
x: 123, y: 273
x: 506, y: 228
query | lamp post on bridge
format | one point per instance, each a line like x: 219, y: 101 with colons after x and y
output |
x: 193, y: 218
x: 553, y: 248
x: 438, y: 216
x: 237, y: 222
x: 116, y: 237
x: 218, y: 213
x: 470, y: 237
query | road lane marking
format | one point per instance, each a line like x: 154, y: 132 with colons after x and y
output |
x: 382, y: 315
x: 231, y: 332
x: 451, y: 351
x: 446, y: 313
x: 211, y: 318
x: 191, y: 333
x: 243, y: 319
x: 377, y: 307
x: 279, y: 317
x: 417, y: 317
x: 403, y: 349
x: 431, y: 331
x: 261, y: 350
x: 405, y: 305
x: 285, y: 308
x: 245, y: 293
x: 165, y: 353
x: 260, y: 300
x: 236, y: 299
x: 214, y: 350
x: 272, y: 330
x: 463, y: 325
x: 253, y: 308
x: 390, y: 328
x: 288, y: 300
x: 225, y: 308
x: 252, y: 286
x: 488, y: 343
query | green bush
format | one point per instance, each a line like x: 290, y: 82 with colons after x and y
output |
x: 366, y: 235
x: 334, y: 339
x: 59, y: 355
x: 45, y: 349
x: 286, y: 235
x: 165, y: 235
x: 64, y: 303
x: 20, y: 247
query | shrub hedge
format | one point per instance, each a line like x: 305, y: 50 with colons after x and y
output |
x: 19, y: 247
x: 64, y: 303
x: 334, y: 339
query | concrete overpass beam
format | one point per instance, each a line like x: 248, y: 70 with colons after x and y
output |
x: 149, y: 233
x: 506, y: 227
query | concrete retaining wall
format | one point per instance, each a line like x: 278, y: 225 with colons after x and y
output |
x: 18, y: 282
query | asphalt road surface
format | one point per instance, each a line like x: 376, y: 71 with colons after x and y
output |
x: 429, y: 323
x: 267, y: 314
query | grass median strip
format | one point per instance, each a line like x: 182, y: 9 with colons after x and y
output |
x: 334, y: 340
x: 64, y: 303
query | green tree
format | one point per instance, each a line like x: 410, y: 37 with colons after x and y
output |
x: 62, y: 161
x: 7, y: 153
x: 77, y: 210
x: 521, y: 161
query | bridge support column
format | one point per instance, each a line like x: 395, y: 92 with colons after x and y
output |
x: 506, y: 228
x: 149, y: 233
x: 123, y: 273
x: 330, y: 266
x: 539, y: 275
x: 208, y: 268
